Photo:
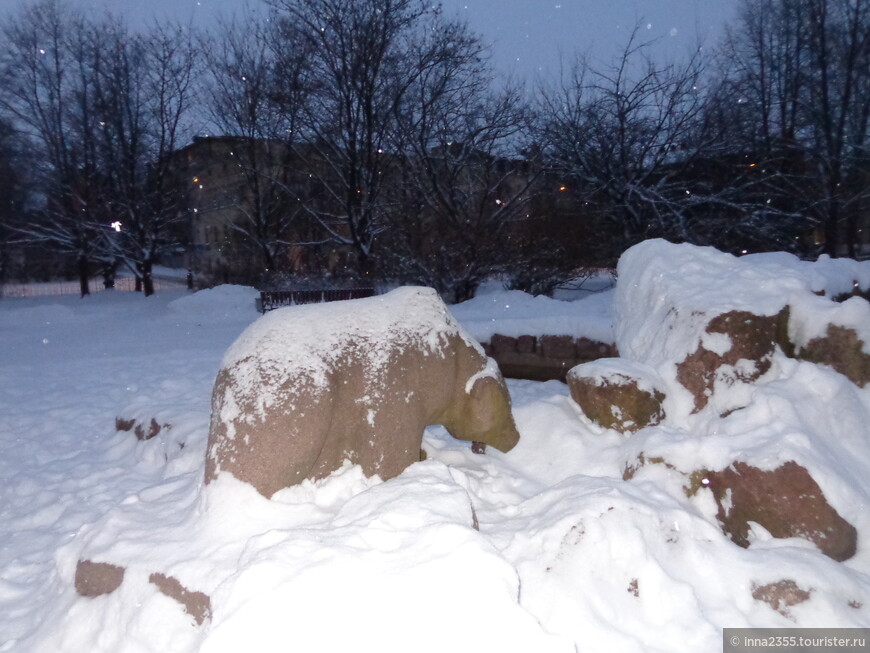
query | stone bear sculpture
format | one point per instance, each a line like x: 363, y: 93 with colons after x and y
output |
x: 307, y: 387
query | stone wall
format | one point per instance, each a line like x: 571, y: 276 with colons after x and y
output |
x: 542, y: 358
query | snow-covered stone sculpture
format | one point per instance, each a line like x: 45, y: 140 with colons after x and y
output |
x: 305, y: 388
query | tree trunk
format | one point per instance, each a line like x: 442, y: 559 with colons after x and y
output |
x: 463, y: 290
x: 365, y: 266
x: 84, y: 284
x: 109, y: 276
x: 147, y: 278
x: 852, y: 234
x: 832, y: 228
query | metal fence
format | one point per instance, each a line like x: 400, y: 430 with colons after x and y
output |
x: 271, y: 299
x: 52, y: 288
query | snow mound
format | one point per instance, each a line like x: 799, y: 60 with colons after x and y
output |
x: 515, y: 313
x: 764, y: 412
x: 667, y: 294
x: 224, y: 299
x: 339, y: 571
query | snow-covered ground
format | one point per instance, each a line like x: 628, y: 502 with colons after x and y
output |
x: 568, y: 555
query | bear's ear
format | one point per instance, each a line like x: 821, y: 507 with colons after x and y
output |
x: 483, y: 387
x: 487, y: 378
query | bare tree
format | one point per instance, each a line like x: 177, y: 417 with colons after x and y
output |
x: 362, y: 58
x: 104, y: 107
x: 14, y: 193
x: 145, y: 92
x: 802, y: 75
x: 462, y: 192
x: 838, y: 108
x: 765, y: 57
x: 256, y: 91
x: 48, y: 92
x: 626, y: 133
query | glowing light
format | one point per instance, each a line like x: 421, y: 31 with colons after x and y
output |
x: 116, y: 225
x: 196, y: 180
x: 563, y: 188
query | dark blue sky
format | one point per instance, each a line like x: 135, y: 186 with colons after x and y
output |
x: 528, y: 36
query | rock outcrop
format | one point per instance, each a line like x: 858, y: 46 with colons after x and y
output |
x: 843, y: 350
x: 97, y: 578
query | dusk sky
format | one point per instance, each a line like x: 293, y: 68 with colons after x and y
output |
x: 527, y: 35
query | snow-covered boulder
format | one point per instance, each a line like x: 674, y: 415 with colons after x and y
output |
x: 844, y: 348
x: 305, y: 388
x: 708, y: 321
x: 743, y: 348
x: 785, y: 501
x: 617, y: 394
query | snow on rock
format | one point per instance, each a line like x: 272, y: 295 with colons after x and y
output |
x: 304, y: 342
x: 667, y: 293
x: 617, y: 393
x: 718, y: 329
x: 706, y: 320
